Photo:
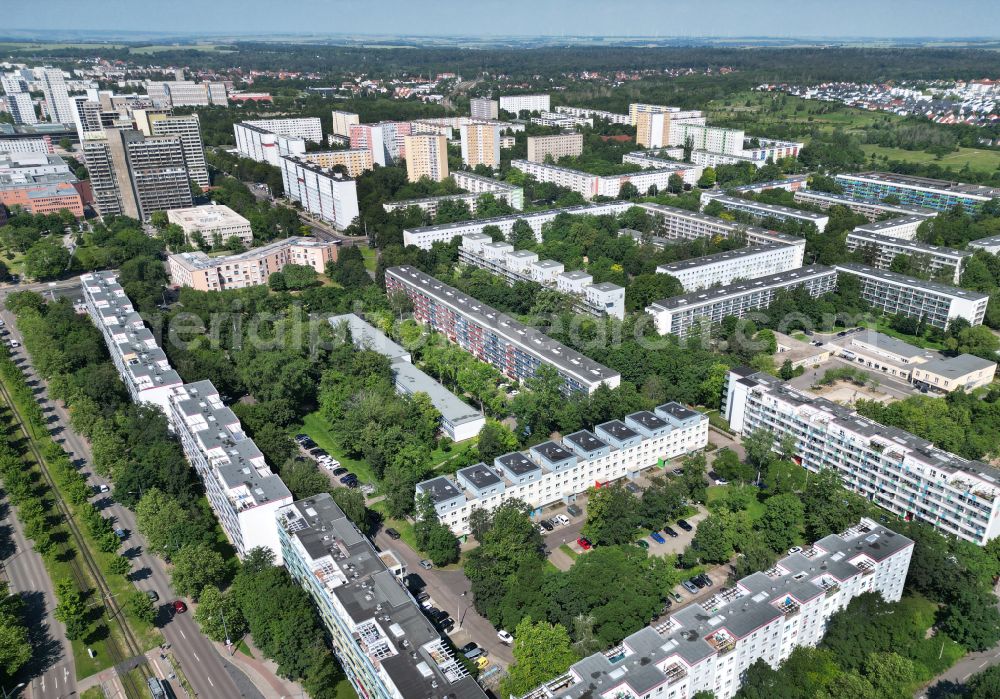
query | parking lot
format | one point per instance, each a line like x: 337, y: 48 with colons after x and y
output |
x: 338, y: 475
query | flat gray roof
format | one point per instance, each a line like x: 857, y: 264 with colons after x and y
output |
x: 586, y: 440
x: 914, y: 245
x: 879, y: 226
x: 782, y: 279
x: 903, y: 280
x: 768, y: 208
x: 717, y: 257
x: 452, y: 408
x: 480, y: 475
x: 956, y: 367
x: 367, y: 336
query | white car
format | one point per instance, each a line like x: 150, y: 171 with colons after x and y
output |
x: 505, y: 637
x: 561, y: 520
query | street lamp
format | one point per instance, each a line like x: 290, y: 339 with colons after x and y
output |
x: 13, y: 690
x: 460, y: 610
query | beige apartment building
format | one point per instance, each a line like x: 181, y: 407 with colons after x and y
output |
x: 426, y: 156
x: 355, y: 160
x: 216, y: 223
x: 251, y: 268
x: 481, y: 144
x: 343, y: 121
x: 557, y: 146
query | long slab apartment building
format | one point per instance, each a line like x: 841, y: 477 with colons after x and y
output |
x: 459, y: 421
x: 242, y: 490
x: 589, y: 186
x: 559, y: 471
x: 515, y: 349
x: 896, y: 470
x: 322, y: 191
x: 883, y: 249
x: 709, y: 645
x: 250, y: 268
x: 743, y: 263
x: 872, y: 210
x: 939, y: 195
x: 762, y: 212
x: 679, y: 315
x: 500, y: 258
x: 266, y: 140
x: 385, y: 643
x: 937, y: 304
x: 474, y: 185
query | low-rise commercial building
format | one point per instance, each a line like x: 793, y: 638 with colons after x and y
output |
x: 459, y: 421
x: 940, y: 195
x: 515, y: 266
x: 708, y: 646
x: 798, y: 353
x: 680, y: 314
x: 896, y: 470
x: 251, y: 268
x: 880, y: 250
x: 426, y: 236
x: 872, y: 210
x: 142, y: 365
x: 946, y: 374
x: 384, y: 642
x: 553, y: 471
x: 323, y: 192
x: 515, y: 104
x: 763, y: 212
x: 515, y: 349
x: 216, y: 223
x: 555, y: 147
x: 43, y: 194
x: 244, y: 492
x: 936, y: 304
x: 743, y: 263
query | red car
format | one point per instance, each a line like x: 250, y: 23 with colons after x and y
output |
x: 584, y: 543
x: 180, y: 607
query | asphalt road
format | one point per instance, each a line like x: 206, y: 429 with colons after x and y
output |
x: 51, y: 670
x: 199, y: 659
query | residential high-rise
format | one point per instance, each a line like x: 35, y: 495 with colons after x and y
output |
x: 940, y: 195
x: 343, y: 121
x: 656, y: 124
x: 22, y: 108
x: 555, y: 146
x: 187, y: 127
x: 707, y: 646
x: 480, y: 144
x: 321, y: 191
x: 134, y: 175
x: 13, y: 83
x: 186, y: 93
x: 515, y: 104
x: 382, y: 638
x: 484, y: 108
x: 56, y: 95
x: 426, y: 156
x: 384, y: 140
x: 354, y: 160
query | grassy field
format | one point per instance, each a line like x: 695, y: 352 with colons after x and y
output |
x: 404, y: 527
x: 92, y: 693
x: 315, y: 426
x: 370, y: 259
x: 975, y: 158
x: 755, y: 510
x: 15, y: 262
x: 764, y: 108
x: 344, y: 690
x: 565, y: 548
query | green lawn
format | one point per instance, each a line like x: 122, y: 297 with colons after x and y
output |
x: 370, y: 257
x: 755, y: 510
x: 316, y: 427
x: 975, y: 158
x: 565, y: 548
x: 344, y: 690
x: 884, y: 328
x: 404, y: 527
x: 92, y: 693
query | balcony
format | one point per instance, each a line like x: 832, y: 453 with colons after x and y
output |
x: 787, y: 607
x: 721, y: 642
x: 674, y: 673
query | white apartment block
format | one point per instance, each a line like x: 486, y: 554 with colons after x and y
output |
x: 243, y: 491
x: 264, y: 146
x: 343, y: 121
x: 25, y: 145
x: 937, y: 304
x: 762, y: 212
x: 713, y: 139
x: 558, y: 146
x: 883, y: 249
x: 322, y: 192
x: 251, y: 268
x: 307, y: 128
x: 902, y: 228
x: 708, y: 646
x: 585, y: 113
x: 216, y: 223
x: 561, y: 121
x: 21, y: 108
x: 385, y: 140
x: 384, y: 642
x: 553, y: 471
x: 426, y: 236
x: 589, y: 186
x: 743, y: 263
x: 655, y: 158
x: 681, y: 224
x: 989, y: 244
x: 872, y: 210
x: 513, y: 196
x: 515, y: 104
x: 355, y: 161
x: 478, y: 184
x: 142, y: 365
x: 484, y: 108
x: 791, y: 183
x: 186, y: 93
x: 53, y: 85
x: 708, y: 159
x: 514, y: 266
x: 896, y: 470
x: 680, y: 314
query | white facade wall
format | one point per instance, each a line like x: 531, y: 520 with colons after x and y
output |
x: 320, y: 191
x: 308, y: 128
x: 517, y: 103
x: 745, y: 263
x: 264, y: 146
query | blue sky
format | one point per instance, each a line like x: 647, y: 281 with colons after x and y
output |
x: 814, y: 18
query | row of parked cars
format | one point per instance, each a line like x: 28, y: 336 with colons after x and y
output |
x: 326, y: 461
x: 669, y: 531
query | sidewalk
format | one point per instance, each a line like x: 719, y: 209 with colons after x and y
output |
x: 263, y: 673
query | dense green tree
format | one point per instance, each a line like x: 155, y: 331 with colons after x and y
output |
x: 219, y: 616
x: 781, y: 525
x: 196, y: 566
x: 612, y: 515
x: 541, y: 651
x: 495, y: 440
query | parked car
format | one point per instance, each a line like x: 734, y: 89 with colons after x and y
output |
x: 392, y: 534
x: 152, y: 595
x: 698, y: 582
x: 423, y: 597
x: 794, y: 549
x: 690, y: 587
x: 657, y: 537
x: 678, y: 472
x: 667, y: 604
x: 560, y: 520
x: 317, y: 452
x: 102, y: 488
x: 717, y: 479
x: 121, y: 533
x: 339, y: 471
x: 445, y: 625
x: 573, y: 510
x: 468, y: 647
x: 482, y: 662
x: 546, y: 525
x: 584, y: 543
x: 426, y: 564
x: 684, y: 525
x: 705, y: 579
x: 505, y: 637
x: 180, y: 607
x: 669, y: 531
x: 437, y: 614
x: 633, y: 488
x: 475, y: 653
x: 641, y: 543
x: 352, y: 484
x: 675, y: 596
x: 348, y: 477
